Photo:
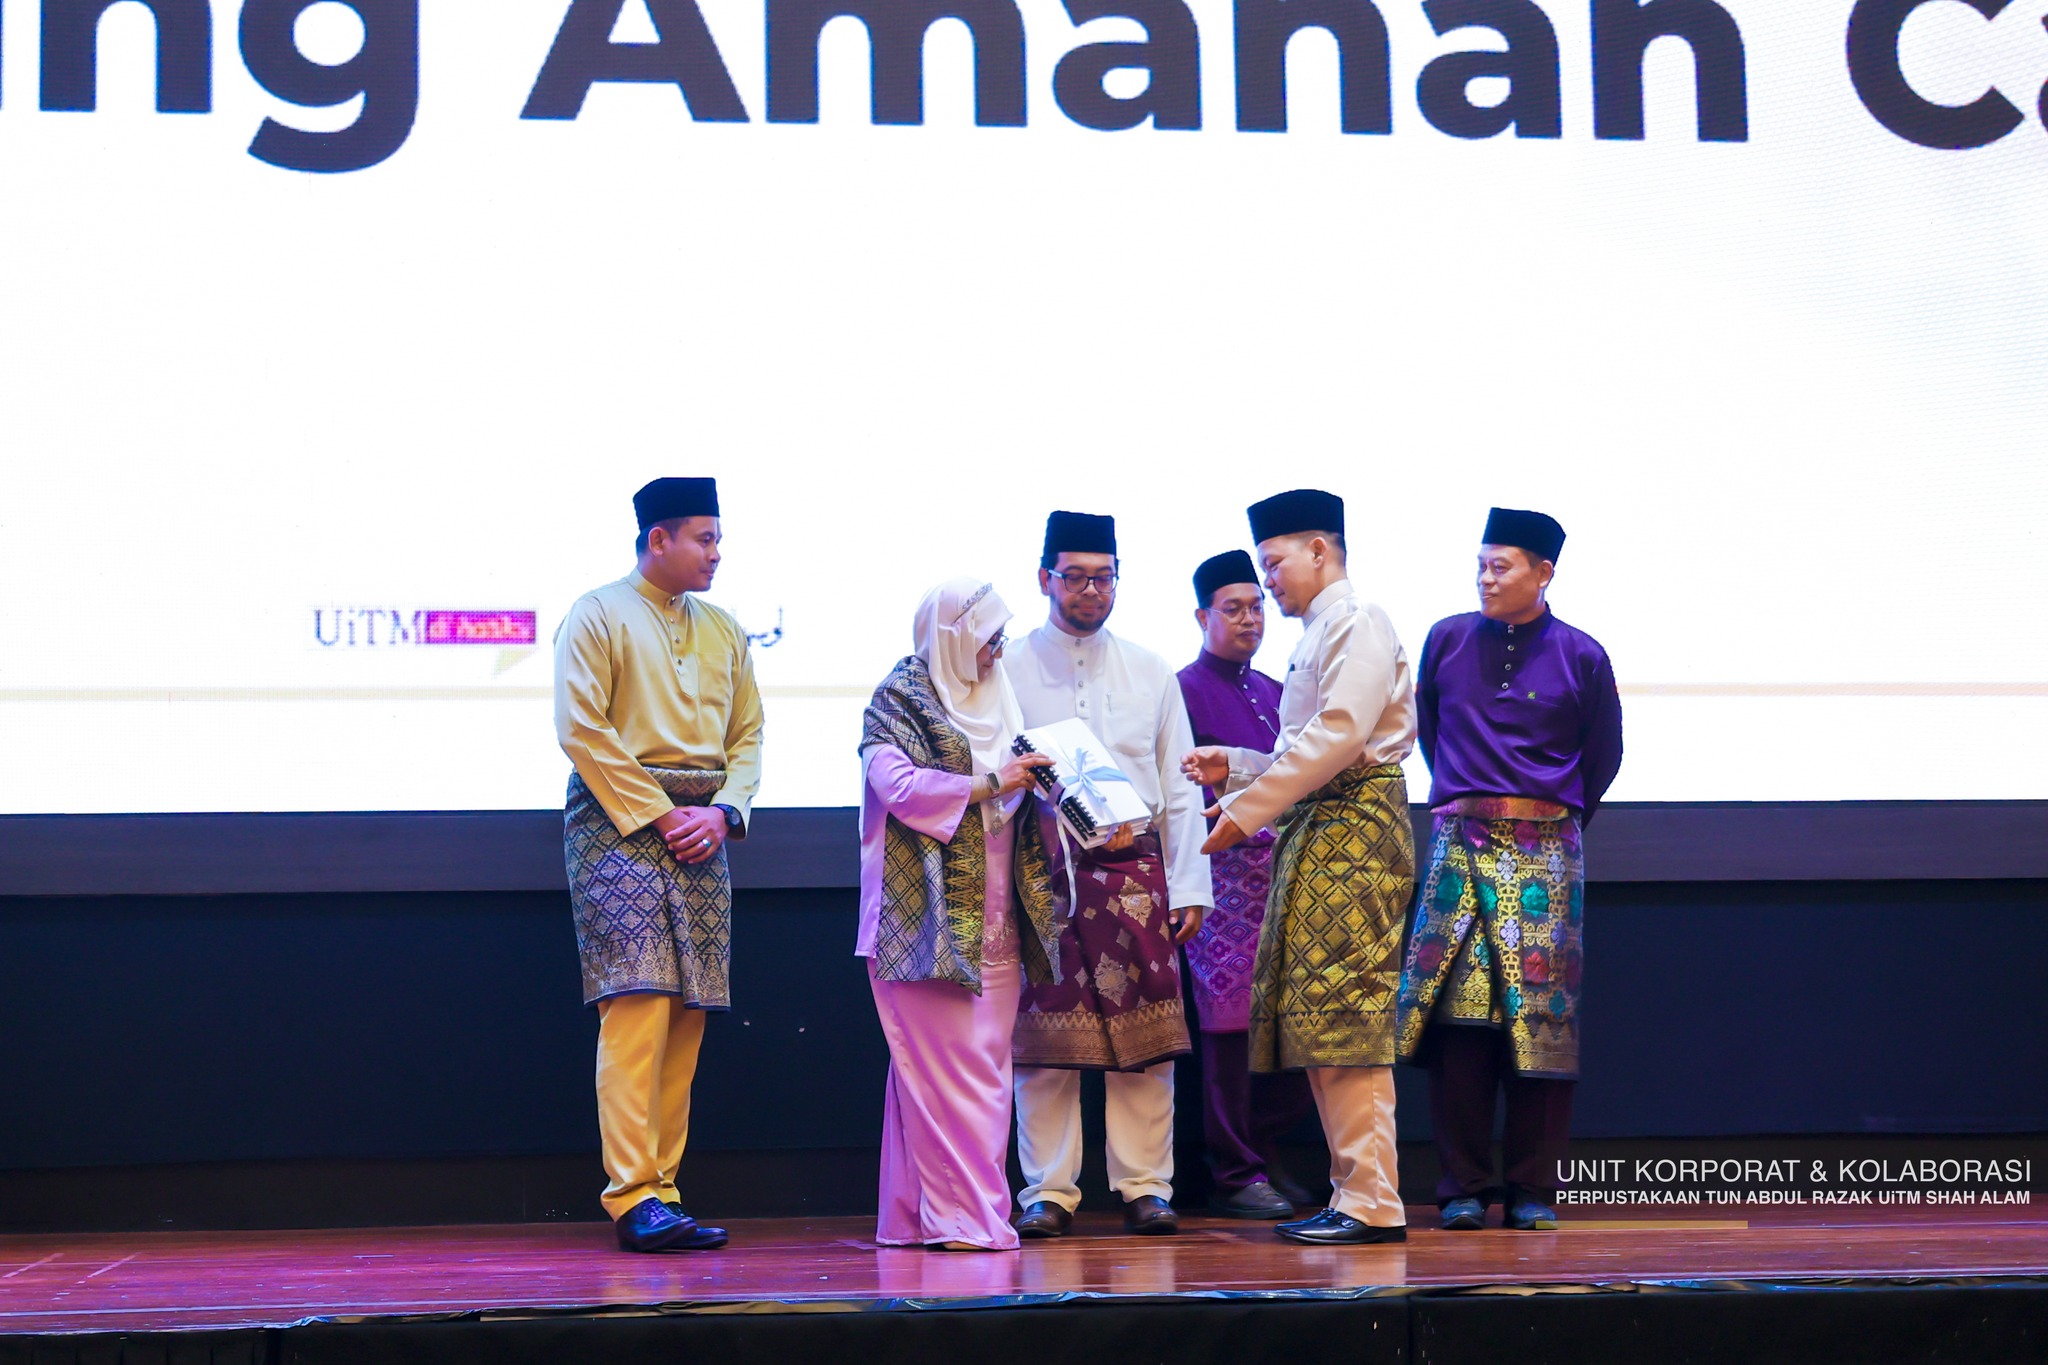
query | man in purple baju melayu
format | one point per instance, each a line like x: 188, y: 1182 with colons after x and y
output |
x: 1520, y: 721
x: 1233, y: 704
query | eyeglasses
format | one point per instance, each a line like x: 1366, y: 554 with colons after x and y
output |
x: 995, y: 645
x: 1240, y: 610
x: 1103, y: 583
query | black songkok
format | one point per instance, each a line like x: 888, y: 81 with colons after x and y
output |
x: 1541, y: 536
x: 667, y: 499
x: 1078, y: 533
x: 1232, y: 566
x: 1292, y: 514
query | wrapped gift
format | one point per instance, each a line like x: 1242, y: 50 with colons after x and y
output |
x: 1091, y: 793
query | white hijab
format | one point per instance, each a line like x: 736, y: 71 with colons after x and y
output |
x: 953, y: 622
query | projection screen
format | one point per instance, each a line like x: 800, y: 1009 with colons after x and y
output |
x: 337, y: 336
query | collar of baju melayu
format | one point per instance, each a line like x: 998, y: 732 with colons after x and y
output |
x: 1535, y: 627
x: 654, y: 594
x: 1223, y: 667
x: 1336, y: 592
x: 1074, y: 646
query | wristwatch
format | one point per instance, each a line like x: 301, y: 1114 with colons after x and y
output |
x: 995, y: 785
x: 732, y: 817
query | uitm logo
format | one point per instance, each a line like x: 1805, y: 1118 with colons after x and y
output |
x: 515, y: 634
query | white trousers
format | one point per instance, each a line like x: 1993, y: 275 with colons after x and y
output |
x: 1357, y: 1108
x: 1138, y: 1114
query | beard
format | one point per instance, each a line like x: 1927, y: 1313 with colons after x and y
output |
x: 1081, y: 617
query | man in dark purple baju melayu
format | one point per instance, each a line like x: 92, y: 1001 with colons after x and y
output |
x: 1233, y: 704
x: 1520, y: 721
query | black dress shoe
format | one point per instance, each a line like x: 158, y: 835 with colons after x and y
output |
x: 705, y: 1238
x: 651, y: 1225
x: 1256, y: 1200
x: 1331, y: 1228
x: 1150, y: 1216
x: 1043, y: 1219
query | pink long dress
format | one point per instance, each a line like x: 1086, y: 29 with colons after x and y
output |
x: 946, y: 1116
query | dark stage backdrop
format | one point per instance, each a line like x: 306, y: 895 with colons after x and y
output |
x: 140, y: 1031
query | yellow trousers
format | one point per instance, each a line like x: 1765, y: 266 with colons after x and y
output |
x: 647, y: 1049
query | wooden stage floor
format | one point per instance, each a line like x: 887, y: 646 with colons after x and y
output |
x: 188, y: 1281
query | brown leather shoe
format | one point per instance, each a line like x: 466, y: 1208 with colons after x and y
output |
x: 1043, y: 1219
x: 1150, y: 1216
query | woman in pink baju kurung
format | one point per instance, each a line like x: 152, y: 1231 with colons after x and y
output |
x: 946, y: 1007
x: 946, y: 1119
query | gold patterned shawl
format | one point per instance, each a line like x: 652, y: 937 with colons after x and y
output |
x: 934, y: 894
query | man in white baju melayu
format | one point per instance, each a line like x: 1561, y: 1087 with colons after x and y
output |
x: 1117, y: 1007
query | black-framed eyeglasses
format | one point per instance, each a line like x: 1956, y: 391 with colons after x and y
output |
x: 1103, y: 583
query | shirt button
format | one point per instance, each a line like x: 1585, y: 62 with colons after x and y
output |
x: 1503, y: 687
x: 1510, y: 667
x: 1511, y: 649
